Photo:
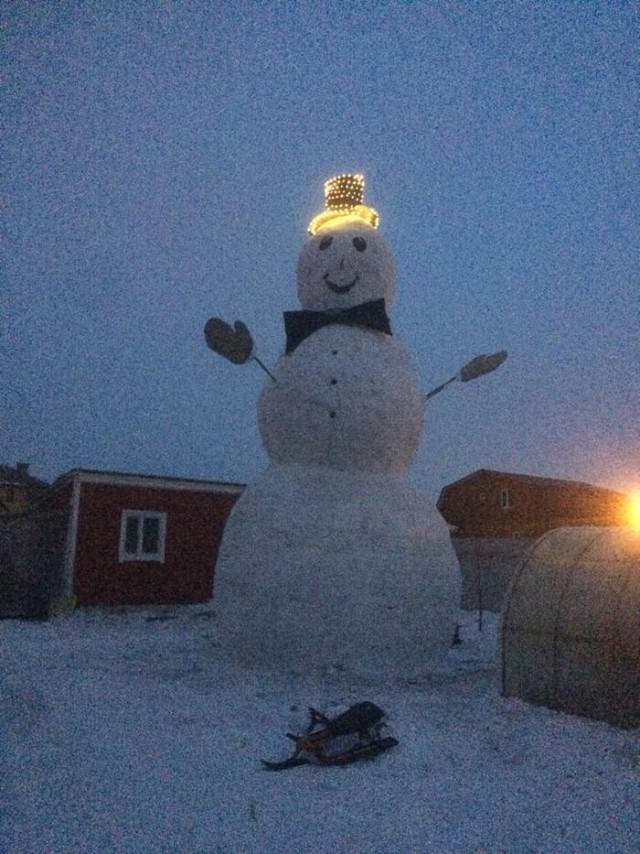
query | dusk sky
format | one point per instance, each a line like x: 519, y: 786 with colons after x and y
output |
x: 163, y: 160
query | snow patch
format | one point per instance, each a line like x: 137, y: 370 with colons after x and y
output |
x: 130, y: 732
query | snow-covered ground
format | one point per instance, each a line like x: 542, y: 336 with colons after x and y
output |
x: 133, y: 731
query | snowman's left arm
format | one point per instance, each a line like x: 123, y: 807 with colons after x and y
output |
x: 472, y: 370
x: 438, y: 389
x: 235, y: 344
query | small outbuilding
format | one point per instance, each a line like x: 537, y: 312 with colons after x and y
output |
x: 496, y: 504
x: 495, y: 516
x: 135, y: 539
x: 570, y: 636
x: 19, y: 490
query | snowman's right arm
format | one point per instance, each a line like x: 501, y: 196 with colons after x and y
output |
x: 235, y: 344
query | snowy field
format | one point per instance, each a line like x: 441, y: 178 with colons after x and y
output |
x: 132, y: 731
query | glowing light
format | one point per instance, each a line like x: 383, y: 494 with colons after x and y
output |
x: 633, y: 511
x: 344, y: 196
x: 344, y: 192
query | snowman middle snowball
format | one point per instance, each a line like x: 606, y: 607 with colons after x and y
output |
x: 347, y: 395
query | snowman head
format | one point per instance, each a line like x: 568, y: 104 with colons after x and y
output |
x: 345, y: 261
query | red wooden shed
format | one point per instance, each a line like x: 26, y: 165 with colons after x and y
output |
x: 140, y: 539
x: 501, y: 504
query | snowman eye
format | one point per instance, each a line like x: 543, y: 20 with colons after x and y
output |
x: 360, y: 243
x: 325, y: 243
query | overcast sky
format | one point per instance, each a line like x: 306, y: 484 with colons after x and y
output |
x: 164, y: 160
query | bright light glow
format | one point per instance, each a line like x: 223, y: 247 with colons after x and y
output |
x: 344, y: 192
x: 633, y: 511
x: 344, y: 196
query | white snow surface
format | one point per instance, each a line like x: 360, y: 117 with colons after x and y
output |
x: 132, y: 731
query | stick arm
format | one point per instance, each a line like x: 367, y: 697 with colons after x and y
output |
x: 472, y: 370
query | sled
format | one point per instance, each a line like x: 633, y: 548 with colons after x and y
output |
x: 347, y: 738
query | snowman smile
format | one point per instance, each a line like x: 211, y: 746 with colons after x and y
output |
x: 338, y: 288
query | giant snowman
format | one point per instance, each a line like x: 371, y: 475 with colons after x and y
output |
x: 330, y: 560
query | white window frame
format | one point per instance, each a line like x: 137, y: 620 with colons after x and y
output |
x: 139, y: 554
x: 506, y: 499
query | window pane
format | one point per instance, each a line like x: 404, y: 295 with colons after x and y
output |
x: 131, y: 535
x: 151, y: 536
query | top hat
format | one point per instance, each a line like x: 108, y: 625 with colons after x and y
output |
x: 344, y: 195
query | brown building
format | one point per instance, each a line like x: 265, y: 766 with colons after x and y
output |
x: 18, y: 489
x: 498, y: 504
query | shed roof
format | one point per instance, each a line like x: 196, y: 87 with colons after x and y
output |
x: 532, y: 479
x: 19, y: 476
x: 116, y: 478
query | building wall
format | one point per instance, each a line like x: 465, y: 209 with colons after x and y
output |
x: 195, y: 521
x: 32, y: 548
x: 14, y: 498
x: 58, y: 498
x: 18, y: 490
x: 486, y: 568
x: 474, y: 506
